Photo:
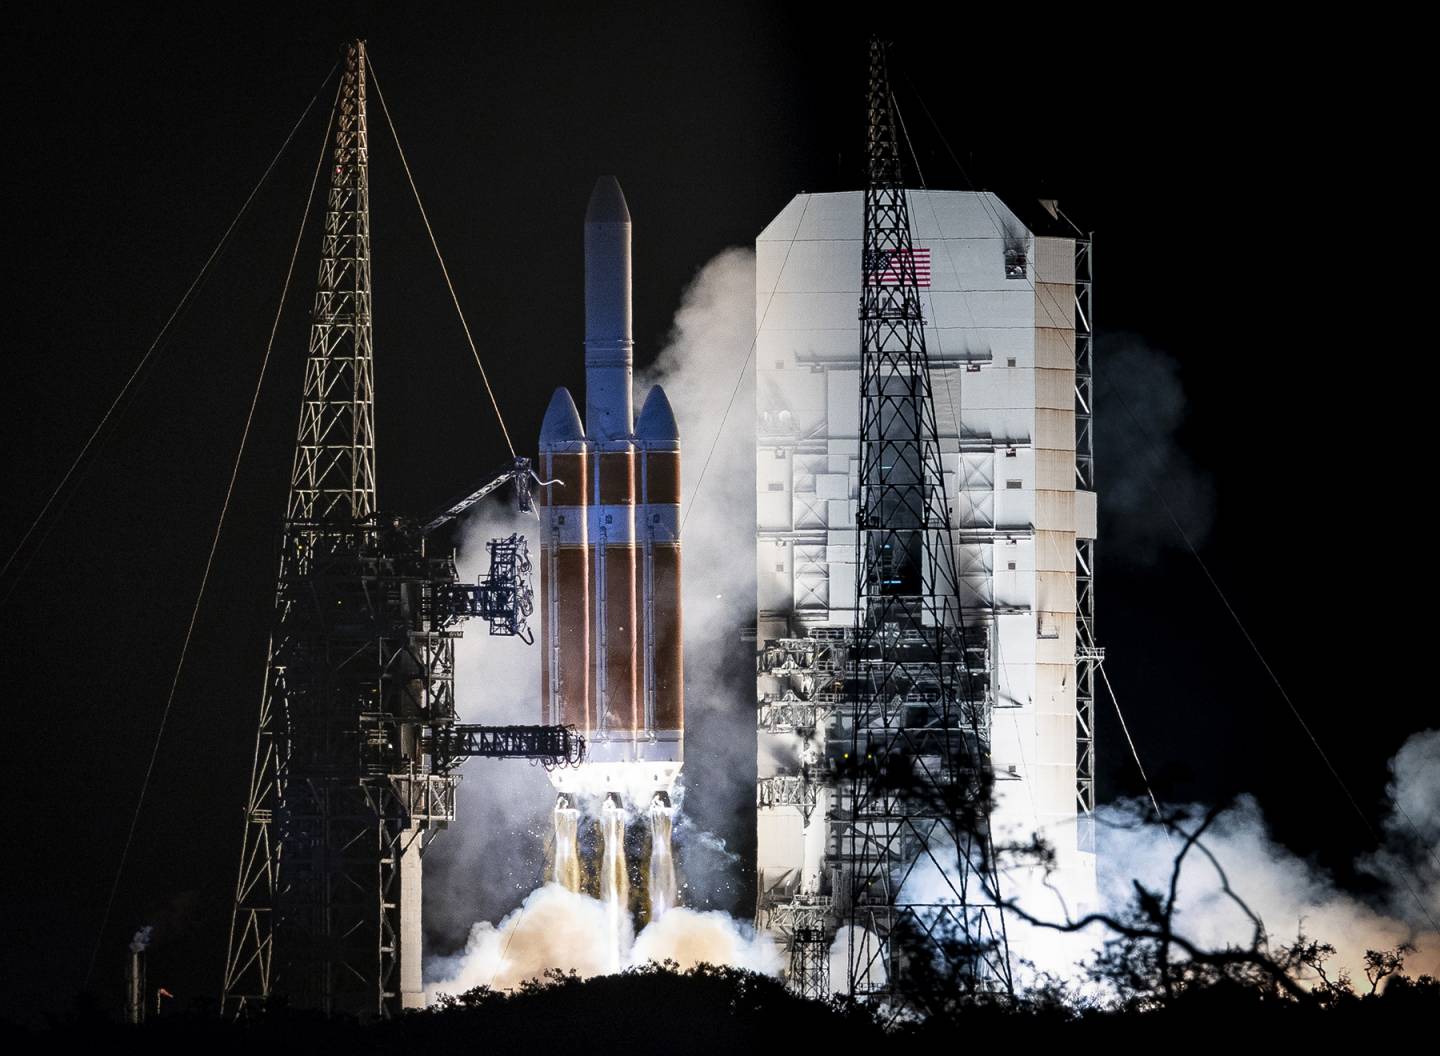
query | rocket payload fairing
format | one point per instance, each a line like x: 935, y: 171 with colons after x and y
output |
x: 610, y: 617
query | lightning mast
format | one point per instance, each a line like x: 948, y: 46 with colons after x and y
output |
x: 358, y: 739
x: 922, y: 891
x: 312, y: 807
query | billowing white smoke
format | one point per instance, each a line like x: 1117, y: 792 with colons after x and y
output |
x: 861, y: 946
x: 556, y: 928
x: 1285, y: 891
x: 705, y: 366
x: 1288, y: 893
x: 485, y: 863
x: 691, y: 937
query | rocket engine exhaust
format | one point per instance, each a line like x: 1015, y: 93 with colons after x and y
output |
x: 663, y: 886
x: 614, y: 876
x: 567, y: 845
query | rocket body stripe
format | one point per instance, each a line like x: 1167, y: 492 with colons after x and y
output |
x: 572, y: 639
x: 615, y: 479
x: 568, y: 470
x: 662, y: 477
x: 659, y: 517
x: 566, y: 693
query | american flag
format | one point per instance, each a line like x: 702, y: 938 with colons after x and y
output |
x: 886, y: 268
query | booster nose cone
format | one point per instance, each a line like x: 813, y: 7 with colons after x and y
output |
x: 607, y: 203
x: 657, y: 419
x: 562, y: 421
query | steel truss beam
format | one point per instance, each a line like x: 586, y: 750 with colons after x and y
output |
x: 805, y: 926
x: 1088, y: 653
x: 332, y: 483
x: 359, y: 681
x: 551, y: 745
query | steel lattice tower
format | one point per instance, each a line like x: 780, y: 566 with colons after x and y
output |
x: 917, y: 676
x: 1089, y: 654
x: 341, y: 794
x: 334, y: 476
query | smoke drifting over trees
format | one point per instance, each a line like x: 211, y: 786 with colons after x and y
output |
x: 1288, y: 894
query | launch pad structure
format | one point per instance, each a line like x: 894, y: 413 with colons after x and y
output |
x: 358, y: 738
x: 916, y: 701
x: 925, y: 567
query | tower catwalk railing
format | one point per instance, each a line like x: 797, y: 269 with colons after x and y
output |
x: 913, y: 821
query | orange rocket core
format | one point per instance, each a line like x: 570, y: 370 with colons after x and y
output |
x: 610, y: 534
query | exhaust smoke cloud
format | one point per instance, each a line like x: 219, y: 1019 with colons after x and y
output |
x: 705, y: 363
x: 1288, y: 893
x: 556, y: 928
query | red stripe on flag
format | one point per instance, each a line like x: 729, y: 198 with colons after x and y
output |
x: 891, y: 272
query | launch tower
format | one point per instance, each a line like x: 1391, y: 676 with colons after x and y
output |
x: 925, y: 527
x: 358, y: 738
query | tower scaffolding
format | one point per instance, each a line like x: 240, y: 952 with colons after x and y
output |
x: 357, y: 741
x: 913, y: 819
x: 306, y: 789
x: 925, y: 527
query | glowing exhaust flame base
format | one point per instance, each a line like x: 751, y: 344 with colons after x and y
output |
x: 556, y: 928
x: 562, y: 925
x: 635, y: 781
x: 567, y: 846
x: 663, y: 885
x: 614, y: 877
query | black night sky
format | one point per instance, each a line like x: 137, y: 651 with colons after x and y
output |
x: 1238, y: 232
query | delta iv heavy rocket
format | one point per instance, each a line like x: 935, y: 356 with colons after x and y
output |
x: 610, y: 619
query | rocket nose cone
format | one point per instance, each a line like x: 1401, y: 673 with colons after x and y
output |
x: 657, y: 420
x: 607, y: 203
x: 562, y: 420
